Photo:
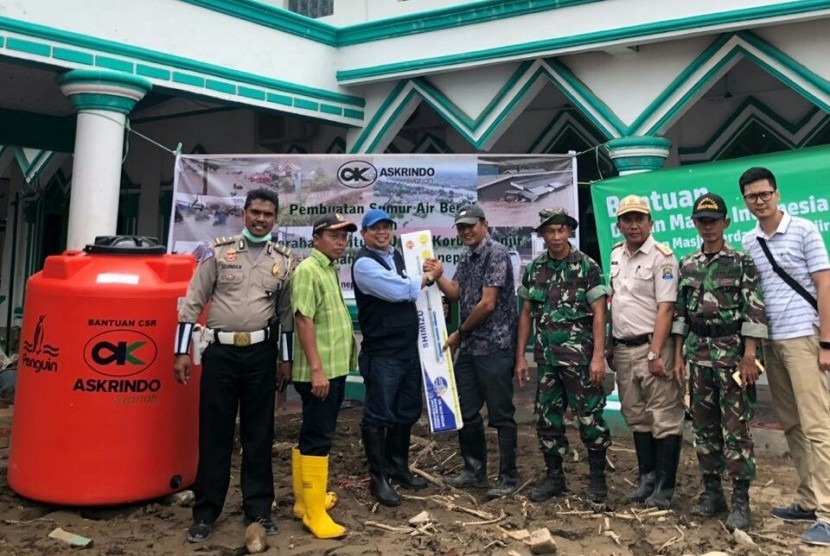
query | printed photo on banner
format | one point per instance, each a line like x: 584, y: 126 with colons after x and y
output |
x: 418, y: 191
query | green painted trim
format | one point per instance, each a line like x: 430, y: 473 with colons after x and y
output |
x: 2, y: 42
x: 220, y: 86
x: 788, y: 62
x: 279, y: 99
x: 442, y: 146
x: 751, y: 102
x: 449, y: 17
x: 337, y: 146
x: 146, y: 56
x: 367, y: 129
x: 93, y: 101
x: 306, y: 104
x: 28, y: 46
x: 356, y: 114
x: 699, y: 61
x: 329, y: 109
x: 540, y: 47
x: 71, y: 55
x: 114, y: 64
x: 255, y: 94
x: 150, y: 71
x: 594, y: 135
x: 188, y: 79
x: 93, y: 76
x: 274, y: 18
x: 744, y: 38
x: 587, y: 96
x: 621, y: 143
x: 393, y: 118
x: 427, y: 21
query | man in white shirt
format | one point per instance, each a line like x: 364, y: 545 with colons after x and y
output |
x: 797, y: 353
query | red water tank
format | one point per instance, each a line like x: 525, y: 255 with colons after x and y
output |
x: 98, y: 415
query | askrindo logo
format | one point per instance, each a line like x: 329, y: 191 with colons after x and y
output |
x: 357, y: 174
x: 38, y: 355
x: 120, y: 353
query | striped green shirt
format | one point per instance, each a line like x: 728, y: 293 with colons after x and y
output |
x: 316, y: 294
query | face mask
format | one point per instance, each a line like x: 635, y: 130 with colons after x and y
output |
x: 255, y: 239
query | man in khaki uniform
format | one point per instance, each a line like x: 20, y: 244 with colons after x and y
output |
x: 246, y: 278
x: 644, y: 276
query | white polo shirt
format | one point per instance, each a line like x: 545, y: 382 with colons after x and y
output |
x: 798, y: 248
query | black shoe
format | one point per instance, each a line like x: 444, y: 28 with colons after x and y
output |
x: 267, y: 523
x: 646, y: 459
x: 505, y: 487
x: 473, y: 446
x: 668, y: 456
x: 739, y: 517
x: 200, y: 531
x: 554, y: 482
x: 712, y: 500
x: 597, y: 487
x: 794, y: 512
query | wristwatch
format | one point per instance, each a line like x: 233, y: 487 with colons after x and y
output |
x: 652, y: 356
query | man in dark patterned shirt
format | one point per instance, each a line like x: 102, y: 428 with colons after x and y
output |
x: 565, y: 298
x: 720, y: 313
x: 486, y: 341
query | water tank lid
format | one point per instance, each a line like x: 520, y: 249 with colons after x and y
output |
x: 126, y: 245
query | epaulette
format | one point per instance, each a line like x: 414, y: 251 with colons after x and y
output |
x: 223, y: 241
x: 663, y: 248
x: 282, y: 249
x: 618, y: 244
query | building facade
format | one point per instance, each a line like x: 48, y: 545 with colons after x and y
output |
x: 97, y: 96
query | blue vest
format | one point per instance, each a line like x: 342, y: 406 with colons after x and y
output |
x: 390, y: 329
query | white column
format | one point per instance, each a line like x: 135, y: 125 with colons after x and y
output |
x: 103, y: 99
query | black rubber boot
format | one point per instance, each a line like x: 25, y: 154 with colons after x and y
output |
x: 374, y: 441
x: 473, y: 446
x: 711, y: 501
x: 397, y: 458
x: 739, y: 516
x: 668, y: 456
x: 554, y: 482
x: 508, y: 474
x: 597, y: 488
x: 644, y: 444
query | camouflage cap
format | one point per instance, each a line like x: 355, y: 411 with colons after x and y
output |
x: 633, y: 203
x: 333, y: 221
x: 709, y: 205
x: 556, y: 215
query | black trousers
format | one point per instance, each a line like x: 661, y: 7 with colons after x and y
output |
x: 243, y: 378
x: 486, y: 379
x: 319, y: 416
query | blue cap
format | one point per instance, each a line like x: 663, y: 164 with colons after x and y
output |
x: 374, y: 216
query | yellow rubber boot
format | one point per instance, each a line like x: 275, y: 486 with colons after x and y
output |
x: 297, y: 475
x: 315, y: 481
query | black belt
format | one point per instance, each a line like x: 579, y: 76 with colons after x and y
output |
x: 633, y: 341
x: 715, y: 330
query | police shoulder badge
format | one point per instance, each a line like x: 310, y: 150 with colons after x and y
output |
x: 276, y: 270
x: 230, y: 255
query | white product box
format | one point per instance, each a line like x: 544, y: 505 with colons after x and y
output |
x: 436, y: 365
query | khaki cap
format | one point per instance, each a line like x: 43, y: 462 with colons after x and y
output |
x: 633, y: 203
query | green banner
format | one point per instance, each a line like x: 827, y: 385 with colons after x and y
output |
x: 803, y: 178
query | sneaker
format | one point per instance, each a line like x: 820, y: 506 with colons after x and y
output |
x: 266, y: 522
x: 200, y: 531
x: 794, y: 512
x: 818, y: 534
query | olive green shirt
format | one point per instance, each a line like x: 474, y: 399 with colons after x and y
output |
x: 316, y: 294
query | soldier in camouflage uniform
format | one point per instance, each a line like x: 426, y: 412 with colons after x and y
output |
x: 720, y: 312
x: 565, y: 298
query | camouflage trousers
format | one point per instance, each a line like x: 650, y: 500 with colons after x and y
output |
x: 562, y: 387
x: 722, y: 413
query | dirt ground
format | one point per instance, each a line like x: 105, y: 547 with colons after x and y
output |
x: 463, y: 523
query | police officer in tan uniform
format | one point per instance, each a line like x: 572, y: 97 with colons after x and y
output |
x: 644, y: 277
x: 246, y: 279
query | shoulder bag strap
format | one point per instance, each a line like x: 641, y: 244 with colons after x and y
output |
x: 799, y: 289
